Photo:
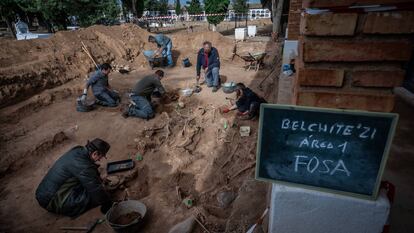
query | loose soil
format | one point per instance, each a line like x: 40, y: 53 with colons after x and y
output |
x: 189, y: 148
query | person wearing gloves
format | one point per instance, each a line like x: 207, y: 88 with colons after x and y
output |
x: 247, y: 104
x: 101, y: 89
x: 73, y: 185
x: 208, y: 58
x: 164, y: 45
x: 141, y: 96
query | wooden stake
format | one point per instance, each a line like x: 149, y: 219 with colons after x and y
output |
x: 85, y: 49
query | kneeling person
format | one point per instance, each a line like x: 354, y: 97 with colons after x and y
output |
x: 141, y: 97
x: 247, y: 104
x: 101, y: 89
x: 73, y: 185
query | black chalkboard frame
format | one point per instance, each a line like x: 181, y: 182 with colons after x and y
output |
x: 394, y: 119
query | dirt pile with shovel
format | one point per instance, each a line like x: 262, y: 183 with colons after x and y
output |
x: 31, y: 66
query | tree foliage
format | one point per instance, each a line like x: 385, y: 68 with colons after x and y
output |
x: 194, y: 7
x: 163, y: 7
x: 88, y: 12
x: 216, y: 7
x: 136, y: 7
x: 177, y: 7
x: 240, y: 6
x: 151, y: 5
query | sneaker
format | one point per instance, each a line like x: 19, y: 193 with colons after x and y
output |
x: 214, y: 89
x: 209, y: 85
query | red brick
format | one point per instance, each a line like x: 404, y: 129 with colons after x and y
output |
x: 320, y: 77
x: 377, y: 78
x: 338, y: 3
x: 389, y: 22
x: 346, y: 100
x: 342, y: 24
x: 355, y: 50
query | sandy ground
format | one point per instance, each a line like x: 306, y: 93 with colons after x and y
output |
x: 37, y: 131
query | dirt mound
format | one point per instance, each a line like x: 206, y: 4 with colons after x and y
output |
x: 28, y: 67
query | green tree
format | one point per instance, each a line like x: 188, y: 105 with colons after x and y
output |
x: 8, y: 10
x: 163, y: 7
x: 151, y: 5
x: 216, y: 7
x: 194, y: 7
x: 177, y: 7
x: 136, y: 7
x: 240, y: 6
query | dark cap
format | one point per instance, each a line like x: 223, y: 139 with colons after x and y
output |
x: 99, y: 145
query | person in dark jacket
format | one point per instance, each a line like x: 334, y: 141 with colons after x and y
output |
x: 141, y: 96
x: 73, y: 185
x: 101, y: 89
x: 208, y: 58
x: 247, y: 104
x: 164, y: 45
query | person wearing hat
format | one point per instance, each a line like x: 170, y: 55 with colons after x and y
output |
x: 247, y: 104
x: 164, y: 47
x: 101, y: 89
x: 73, y: 184
x: 140, y: 103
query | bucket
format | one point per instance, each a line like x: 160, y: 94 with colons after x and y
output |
x: 186, y: 62
x: 229, y: 87
x: 123, y: 208
x: 251, y: 30
x: 240, y: 33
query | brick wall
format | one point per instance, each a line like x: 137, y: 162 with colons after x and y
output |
x: 295, y: 7
x: 352, y: 59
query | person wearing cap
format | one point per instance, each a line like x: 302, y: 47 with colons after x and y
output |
x: 164, y: 47
x: 101, y: 89
x: 247, y: 104
x: 73, y: 184
x: 208, y: 58
x: 140, y: 103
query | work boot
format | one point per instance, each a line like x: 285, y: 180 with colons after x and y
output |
x: 214, y: 89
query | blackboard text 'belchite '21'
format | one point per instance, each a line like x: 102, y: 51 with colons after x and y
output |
x: 339, y: 151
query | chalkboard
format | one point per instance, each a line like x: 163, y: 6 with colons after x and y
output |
x: 339, y: 151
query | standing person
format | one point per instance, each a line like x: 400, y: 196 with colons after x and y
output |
x: 101, y: 89
x: 247, y: 104
x: 141, y: 96
x: 164, y: 45
x: 208, y: 58
x: 73, y: 184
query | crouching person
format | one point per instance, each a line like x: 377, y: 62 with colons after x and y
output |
x: 101, y: 89
x: 141, y: 96
x: 247, y: 104
x: 73, y: 185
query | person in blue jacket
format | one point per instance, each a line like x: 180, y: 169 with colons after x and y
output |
x: 164, y: 45
x: 73, y: 184
x: 208, y: 58
x: 101, y: 89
